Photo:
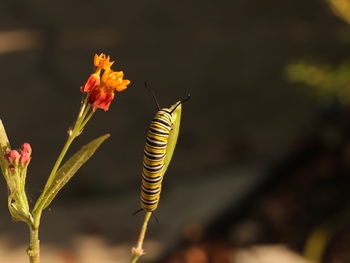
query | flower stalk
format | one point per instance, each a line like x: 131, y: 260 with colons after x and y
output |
x: 72, y: 134
x: 81, y: 121
x: 138, y: 251
x: 34, y: 245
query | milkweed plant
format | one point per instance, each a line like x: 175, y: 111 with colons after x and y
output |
x: 98, y: 93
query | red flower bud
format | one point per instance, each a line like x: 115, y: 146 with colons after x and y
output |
x: 26, y: 148
x: 101, y: 97
x: 92, y: 82
x: 12, y: 157
x: 26, y: 151
x: 25, y: 158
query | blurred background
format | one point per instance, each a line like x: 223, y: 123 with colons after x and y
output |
x: 261, y: 170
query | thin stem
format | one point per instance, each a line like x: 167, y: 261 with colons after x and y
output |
x: 80, y: 122
x: 34, y: 245
x: 84, y: 109
x: 138, y: 251
x: 75, y: 132
x: 60, y: 158
x: 86, y: 119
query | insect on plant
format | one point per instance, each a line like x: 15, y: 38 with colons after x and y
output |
x: 154, y: 155
x: 159, y: 148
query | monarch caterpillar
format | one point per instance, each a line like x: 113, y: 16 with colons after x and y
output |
x: 159, y: 148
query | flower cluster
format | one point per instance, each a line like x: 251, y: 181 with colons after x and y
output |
x: 14, y: 165
x: 20, y: 157
x: 100, y: 89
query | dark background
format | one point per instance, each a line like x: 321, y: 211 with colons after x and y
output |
x: 243, y: 119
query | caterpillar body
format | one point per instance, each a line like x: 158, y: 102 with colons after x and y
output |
x: 153, y: 159
x: 159, y: 148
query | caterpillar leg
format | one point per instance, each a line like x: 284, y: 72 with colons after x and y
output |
x: 137, y: 211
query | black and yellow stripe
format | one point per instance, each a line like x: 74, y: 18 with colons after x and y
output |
x: 153, y: 159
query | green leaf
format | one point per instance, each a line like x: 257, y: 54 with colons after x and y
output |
x: 4, y: 141
x: 173, y: 135
x: 66, y: 172
x: 4, y: 146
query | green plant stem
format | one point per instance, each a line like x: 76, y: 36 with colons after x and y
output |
x: 75, y: 132
x: 34, y: 245
x: 86, y: 119
x: 72, y: 135
x: 60, y: 157
x: 138, y: 251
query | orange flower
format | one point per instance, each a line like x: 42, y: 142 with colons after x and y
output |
x: 114, y: 80
x: 102, y: 62
x: 101, y: 89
